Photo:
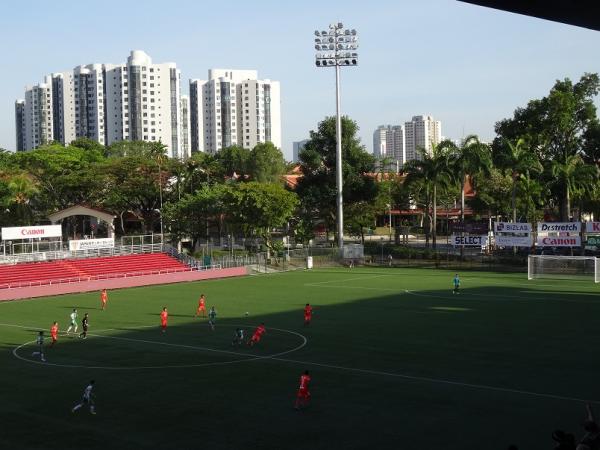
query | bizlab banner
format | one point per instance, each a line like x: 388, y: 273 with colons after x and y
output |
x: 87, y: 244
x: 513, y: 241
x: 469, y: 241
x: 41, y: 231
x: 592, y: 227
x: 559, y: 241
x: 512, y: 227
x: 559, y: 227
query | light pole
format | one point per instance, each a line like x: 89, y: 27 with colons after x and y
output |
x: 389, y: 205
x: 336, y: 48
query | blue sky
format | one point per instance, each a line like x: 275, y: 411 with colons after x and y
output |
x: 466, y: 65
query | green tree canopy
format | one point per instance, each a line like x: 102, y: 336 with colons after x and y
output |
x: 234, y: 160
x: 317, y: 187
x: 266, y: 163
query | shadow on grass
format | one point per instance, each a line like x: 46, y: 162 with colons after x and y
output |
x: 389, y: 364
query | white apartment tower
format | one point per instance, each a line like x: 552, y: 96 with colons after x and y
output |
x: 143, y: 102
x: 90, y: 100
x: 421, y: 132
x: 63, y: 108
x: 138, y: 100
x: 389, y: 142
x: 234, y: 107
x: 39, y: 127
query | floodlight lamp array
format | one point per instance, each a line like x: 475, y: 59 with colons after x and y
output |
x: 336, y: 46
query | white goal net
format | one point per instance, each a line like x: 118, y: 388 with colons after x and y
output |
x: 563, y: 267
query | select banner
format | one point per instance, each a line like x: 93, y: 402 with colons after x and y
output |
x: 559, y: 227
x: 512, y: 227
x: 559, y: 241
x: 41, y: 231
x: 87, y: 244
x: 469, y: 241
x: 592, y: 227
x: 513, y: 241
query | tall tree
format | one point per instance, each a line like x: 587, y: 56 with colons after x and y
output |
x: 517, y: 158
x: 470, y: 159
x: 193, y: 214
x: 317, y: 187
x: 431, y: 173
x: 234, y: 160
x: 266, y: 163
x: 572, y: 175
x: 257, y: 208
x: 65, y: 176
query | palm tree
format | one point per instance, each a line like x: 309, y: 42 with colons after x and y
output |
x: 572, y: 175
x: 531, y: 191
x: 22, y: 189
x: 430, y: 173
x: 158, y: 152
x: 519, y: 159
x: 469, y: 160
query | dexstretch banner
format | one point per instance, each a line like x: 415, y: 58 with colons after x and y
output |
x: 559, y: 227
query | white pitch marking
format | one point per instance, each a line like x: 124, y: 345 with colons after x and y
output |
x: 318, y: 283
x: 276, y: 357
x: 249, y: 356
x: 355, y: 287
x: 465, y: 294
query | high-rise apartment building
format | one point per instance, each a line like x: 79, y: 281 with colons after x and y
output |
x: 20, y: 124
x: 234, y: 107
x: 421, y: 132
x: 138, y: 100
x: 63, y: 108
x: 389, y: 142
x: 39, y: 125
x: 297, y: 147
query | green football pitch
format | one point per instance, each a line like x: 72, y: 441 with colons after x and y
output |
x: 397, y: 362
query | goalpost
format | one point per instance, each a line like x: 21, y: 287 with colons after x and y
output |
x: 563, y: 267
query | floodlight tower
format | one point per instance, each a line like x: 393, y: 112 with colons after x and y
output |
x: 336, y: 48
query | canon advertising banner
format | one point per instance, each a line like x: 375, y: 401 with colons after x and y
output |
x: 469, y: 241
x: 559, y: 241
x: 40, y: 231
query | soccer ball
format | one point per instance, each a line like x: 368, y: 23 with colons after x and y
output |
x: 246, y: 313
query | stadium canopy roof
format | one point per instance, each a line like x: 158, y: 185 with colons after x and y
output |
x: 580, y: 13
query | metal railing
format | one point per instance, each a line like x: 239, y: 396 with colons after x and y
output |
x: 108, y: 276
x: 88, y: 253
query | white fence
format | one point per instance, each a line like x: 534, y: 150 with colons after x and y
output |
x: 89, y: 253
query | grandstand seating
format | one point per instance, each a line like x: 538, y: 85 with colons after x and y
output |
x: 89, y: 268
